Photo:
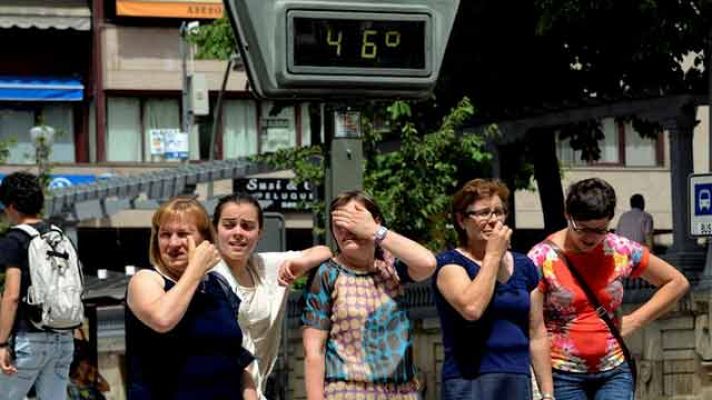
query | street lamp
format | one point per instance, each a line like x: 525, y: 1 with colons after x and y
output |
x: 42, y: 138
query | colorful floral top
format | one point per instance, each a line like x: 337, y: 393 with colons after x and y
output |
x: 369, y: 350
x: 580, y: 340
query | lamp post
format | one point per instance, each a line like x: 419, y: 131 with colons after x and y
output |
x: 42, y: 138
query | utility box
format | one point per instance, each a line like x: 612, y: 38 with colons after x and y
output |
x: 199, y: 99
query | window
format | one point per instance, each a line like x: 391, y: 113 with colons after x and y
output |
x: 277, y: 128
x: 129, y: 122
x: 15, y: 124
x: 621, y: 145
x: 240, y: 129
x: 247, y: 127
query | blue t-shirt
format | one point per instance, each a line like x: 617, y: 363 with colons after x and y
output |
x: 499, y: 341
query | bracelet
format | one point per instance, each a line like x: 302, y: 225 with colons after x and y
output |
x: 547, y: 396
x: 4, y: 344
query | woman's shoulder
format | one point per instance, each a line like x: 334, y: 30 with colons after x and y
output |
x: 147, y: 275
x: 621, y: 245
x: 451, y: 256
x: 540, y: 251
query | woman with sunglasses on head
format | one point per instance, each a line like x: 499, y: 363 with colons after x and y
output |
x: 357, y: 334
x: 489, y: 306
x: 582, y: 268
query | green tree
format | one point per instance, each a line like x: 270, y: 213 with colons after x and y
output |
x: 412, y: 184
x: 214, y: 41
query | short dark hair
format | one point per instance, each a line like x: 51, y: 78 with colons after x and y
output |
x: 23, y: 191
x: 237, y: 198
x: 589, y: 199
x: 637, y: 201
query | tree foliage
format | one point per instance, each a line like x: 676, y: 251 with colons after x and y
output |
x: 412, y: 184
x: 214, y: 41
x: 553, y: 55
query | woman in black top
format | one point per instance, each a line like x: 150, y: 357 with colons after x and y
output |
x: 183, y: 341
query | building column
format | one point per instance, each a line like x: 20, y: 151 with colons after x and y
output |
x: 684, y: 253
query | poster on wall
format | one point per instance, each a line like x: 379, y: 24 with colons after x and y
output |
x: 188, y: 9
x: 175, y: 144
x: 155, y: 137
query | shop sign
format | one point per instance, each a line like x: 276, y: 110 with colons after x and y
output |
x: 275, y: 194
x: 187, y: 9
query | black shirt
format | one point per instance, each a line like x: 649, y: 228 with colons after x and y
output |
x: 13, y: 254
x: 201, y: 358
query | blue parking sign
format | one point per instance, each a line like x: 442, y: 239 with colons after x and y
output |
x: 703, y: 199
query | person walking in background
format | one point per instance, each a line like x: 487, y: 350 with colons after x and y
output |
x: 489, y: 306
x: 182, y: 336
x: 636, y: 224
x: 258, y: 279
x: 583, y: 267
x: 357, y: 334
x: 28, y: 355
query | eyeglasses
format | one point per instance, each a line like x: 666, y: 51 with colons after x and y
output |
x: 487, y: 213
x: 585, y: 230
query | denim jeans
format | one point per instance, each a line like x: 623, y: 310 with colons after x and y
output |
x: 489, y: 386
x: 614, y: 384
x: 42, y: 359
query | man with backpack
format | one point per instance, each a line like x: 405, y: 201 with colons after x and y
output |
x: 41, y: 300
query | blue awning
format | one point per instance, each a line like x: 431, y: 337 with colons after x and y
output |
x: 14, y: 88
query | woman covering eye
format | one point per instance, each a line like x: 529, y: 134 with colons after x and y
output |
x: 584, y: 264
x: 258, y: 279
x: 182, y: 337
x: 357, y: 334
x: 489, y: 306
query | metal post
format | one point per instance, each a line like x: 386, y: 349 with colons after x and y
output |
x: 217, y: 116
x: 345, y: 160
x: 186, y: 113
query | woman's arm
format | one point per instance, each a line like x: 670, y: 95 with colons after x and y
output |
x: 161, y: 310
x: 309, y: 258
x: 314, y: 362
x: 249, y: 389
x: 671, y: 284
x: 539, y: 344
x: 471, y: 297
x: 420, y: 261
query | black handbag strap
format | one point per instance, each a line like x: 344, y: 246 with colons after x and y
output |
x: 600, y: 310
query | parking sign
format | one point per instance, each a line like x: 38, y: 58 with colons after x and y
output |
x: 700, y: 214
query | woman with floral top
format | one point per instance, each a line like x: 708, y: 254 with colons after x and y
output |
x: 587, y: 360
x: 357, y: 334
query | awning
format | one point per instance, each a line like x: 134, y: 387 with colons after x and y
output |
x: 13, y: 88
x: 39, y: 14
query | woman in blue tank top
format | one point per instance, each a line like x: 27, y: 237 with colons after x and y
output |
x: 182, y: 337
x: 490, y: 310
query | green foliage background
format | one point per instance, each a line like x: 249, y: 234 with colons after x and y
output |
x: 412, y: 185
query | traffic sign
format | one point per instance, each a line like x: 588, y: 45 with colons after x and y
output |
x: 700, y: 213
x: 336, y: 49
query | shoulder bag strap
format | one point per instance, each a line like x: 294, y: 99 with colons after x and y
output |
x: 600, y: 310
